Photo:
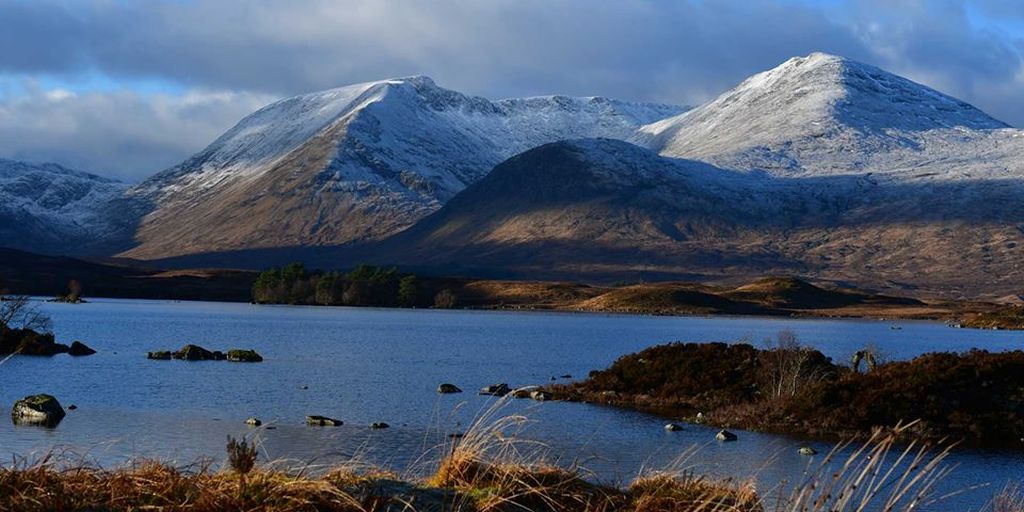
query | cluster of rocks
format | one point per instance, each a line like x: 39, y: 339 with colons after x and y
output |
x: 192, y: 352
x: 31, y: 343
x: 501, y: 389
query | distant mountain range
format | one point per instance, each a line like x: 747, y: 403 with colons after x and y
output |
x: 822, y: 166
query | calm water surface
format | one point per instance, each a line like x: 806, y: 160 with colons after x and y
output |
x: 367, y: 365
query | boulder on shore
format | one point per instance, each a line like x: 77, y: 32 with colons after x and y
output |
x: 448, y: 388
x: 39, y: 409
x: 496, y: 390
x: 80, y: 349
x: 323, y: 421
x: 244, y: 356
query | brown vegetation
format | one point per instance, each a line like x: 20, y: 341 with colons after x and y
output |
x: 487, y: 470
x: 976, y: 397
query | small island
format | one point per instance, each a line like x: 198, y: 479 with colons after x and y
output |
x: 972, y: 397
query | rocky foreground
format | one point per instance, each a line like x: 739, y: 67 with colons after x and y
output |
x: 482, y: 472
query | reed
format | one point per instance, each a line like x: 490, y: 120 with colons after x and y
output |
x: 490, y: 468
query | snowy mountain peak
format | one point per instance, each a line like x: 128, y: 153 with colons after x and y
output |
x: 809, y: 103
x: 357, y: 162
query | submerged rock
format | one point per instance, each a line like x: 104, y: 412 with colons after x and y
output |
x: 244, y: 356
x: 725, y: 435
x: 80, y: 349
x: 162, y: 355
x: 380, y: 425
x: 323, y: 421
x: 496, y: 390
x: 39, y: 409
x: 448, y: 388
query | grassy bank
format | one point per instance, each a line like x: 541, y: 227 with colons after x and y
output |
x: 484, y: 471
x: 974, y: 397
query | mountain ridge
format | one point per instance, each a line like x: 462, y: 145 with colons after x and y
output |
x: 379, y: 157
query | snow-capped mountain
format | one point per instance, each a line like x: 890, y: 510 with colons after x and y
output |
x: 822, y: 166
x: 823, y: 114
x: 355, y: 163
x: 49, y: 208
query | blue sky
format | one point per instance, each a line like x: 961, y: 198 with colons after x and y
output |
x: 126, y: 88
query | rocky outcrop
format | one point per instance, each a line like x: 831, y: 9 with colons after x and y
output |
x: 192, y: 352
x: 80, y: 349
x: 29, y: 343
x: 244, y: 356
x: 40, y: 409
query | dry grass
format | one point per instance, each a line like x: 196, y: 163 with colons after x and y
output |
x: 490, y: 469
x: 1010, y: 499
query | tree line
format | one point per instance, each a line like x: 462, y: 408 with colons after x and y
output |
x: 365, y: 285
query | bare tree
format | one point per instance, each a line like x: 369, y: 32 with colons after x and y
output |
x: 788, y: 365
x: 18, y: 312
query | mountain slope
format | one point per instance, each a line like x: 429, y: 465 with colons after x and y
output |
x: 606, y: 209
x: 49, y: 208
x: 353, y: 164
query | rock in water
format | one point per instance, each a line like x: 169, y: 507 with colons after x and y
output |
x: 29, y: 343
x: 540, y: 396
x: 244, y: 356
x: 725, y: 435
x: 673, y: 427
x: 448, y: 388
x: 80, y: 349
x: 193, y: 353
x: 379, y: 425
x: 807, y: 450
x: 253, y: 422
x: 40, y: 409
x: 496, y: 390
x: 323, y: 421
x: 162, y: 355
x: 524, y: 392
